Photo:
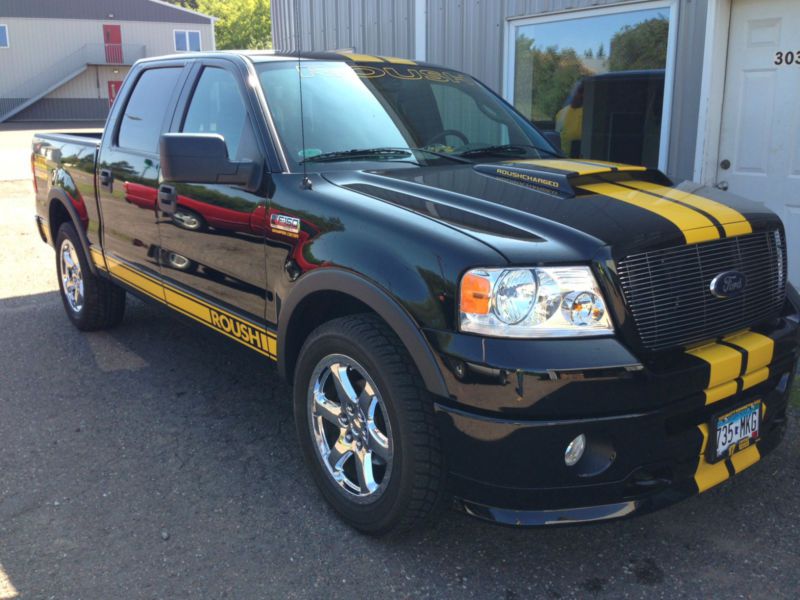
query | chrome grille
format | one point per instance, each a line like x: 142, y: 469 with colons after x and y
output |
x: 668, y: 291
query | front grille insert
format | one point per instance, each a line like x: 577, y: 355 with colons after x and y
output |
x: 668, y: 292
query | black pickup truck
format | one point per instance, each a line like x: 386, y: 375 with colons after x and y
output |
x: 465, y: 314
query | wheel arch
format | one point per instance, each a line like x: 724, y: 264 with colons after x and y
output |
x: 293, y: 328
x: 60, y: 210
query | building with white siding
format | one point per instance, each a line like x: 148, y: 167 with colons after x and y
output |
x: 702, y: 89
x: 62, y: 61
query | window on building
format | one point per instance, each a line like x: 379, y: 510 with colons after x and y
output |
x: 146, y: 109
x: 187, y: 41
x: 217, y: 106
x: 3, y: 36
x: 598, y: 79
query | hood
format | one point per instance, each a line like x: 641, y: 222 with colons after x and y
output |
x: 579, y: 205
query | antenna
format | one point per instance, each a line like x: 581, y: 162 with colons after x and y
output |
x: 306, y: 183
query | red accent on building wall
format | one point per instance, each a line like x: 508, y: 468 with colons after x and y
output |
x: 113, y: 90
x: 112, y: 38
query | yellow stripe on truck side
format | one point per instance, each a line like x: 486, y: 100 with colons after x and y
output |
x: 733, y: 222
x: 245, y: 332
x: 694, y: 226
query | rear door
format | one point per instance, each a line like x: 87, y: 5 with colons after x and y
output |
x: 214, y: 238
x: 127, y: 174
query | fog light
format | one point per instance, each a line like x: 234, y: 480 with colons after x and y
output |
x: 574, y: 450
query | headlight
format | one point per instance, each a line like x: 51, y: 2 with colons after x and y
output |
x: 533, y: 303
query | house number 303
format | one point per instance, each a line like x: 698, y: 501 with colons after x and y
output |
x: 792, y: 57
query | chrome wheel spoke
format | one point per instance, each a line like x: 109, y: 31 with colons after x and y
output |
x: 366, y: 479
x: 338, y: 456
x: 341, y: 380
x: 326, y: 409
x: 367, y: 400
x: 378, y: 443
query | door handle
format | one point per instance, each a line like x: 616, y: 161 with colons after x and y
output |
x: 167, y: 199
x: 106, y: 178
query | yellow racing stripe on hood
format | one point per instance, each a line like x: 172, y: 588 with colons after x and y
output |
x: 566, y: 166
x: 734, y: 222
x: 611, y: 165
x: 694, y: 226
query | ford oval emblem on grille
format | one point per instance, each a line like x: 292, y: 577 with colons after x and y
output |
x: 728, y: 284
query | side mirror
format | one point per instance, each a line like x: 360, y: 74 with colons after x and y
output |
x: 554, y: 138
x: 203, y: 158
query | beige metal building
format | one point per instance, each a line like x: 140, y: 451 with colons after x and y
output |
x: 62, y: 61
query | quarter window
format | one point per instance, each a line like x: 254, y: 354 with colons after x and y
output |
x: 187, y: 41
x: 3, y: 36
x: 217, y: 107
x: 146, y: 109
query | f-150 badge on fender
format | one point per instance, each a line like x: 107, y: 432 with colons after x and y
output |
x: 285, y: 223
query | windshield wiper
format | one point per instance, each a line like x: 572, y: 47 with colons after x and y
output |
x: 380, y: 153
x: 513, y: 149
x: 357, y: 153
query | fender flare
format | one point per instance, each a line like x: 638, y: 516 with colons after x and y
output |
x: 57, y: 195
x: 351, y: 284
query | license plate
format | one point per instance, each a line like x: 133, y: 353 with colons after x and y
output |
x: 736, y: 430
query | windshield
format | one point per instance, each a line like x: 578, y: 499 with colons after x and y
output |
x: 365, y: 112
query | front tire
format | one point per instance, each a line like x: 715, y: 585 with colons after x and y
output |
x: 366, y: 426
x: 91, y: 303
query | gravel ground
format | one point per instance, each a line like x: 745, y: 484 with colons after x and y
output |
x: 158, y: 460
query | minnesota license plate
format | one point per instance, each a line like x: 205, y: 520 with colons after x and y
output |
x: 736, y: 430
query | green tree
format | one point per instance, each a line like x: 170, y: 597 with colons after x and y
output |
x: 190, y: 4
x: 641, y: 46
x: 241, y: 24
x: 543, y: 78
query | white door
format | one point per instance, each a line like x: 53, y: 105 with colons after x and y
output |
x: 759, y: 150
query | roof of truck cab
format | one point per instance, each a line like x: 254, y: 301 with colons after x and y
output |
x: 264, y: 56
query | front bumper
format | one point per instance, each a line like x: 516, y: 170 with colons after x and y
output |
x: 505, y: 429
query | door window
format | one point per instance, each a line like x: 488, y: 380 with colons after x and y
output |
x: 217, y: 106
x: 598, y: 79
x: 3, y: 36
x: 144, y: 114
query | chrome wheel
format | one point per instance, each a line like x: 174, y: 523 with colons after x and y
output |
x: 71, y: 276
x: 351, y: 430
x: 187, y: 220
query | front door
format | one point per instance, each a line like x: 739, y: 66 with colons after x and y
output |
x: 112, y: 38
x: 759, y: 149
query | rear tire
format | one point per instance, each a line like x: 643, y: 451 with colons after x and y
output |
x: 376, y: 459
x: 91, y: 302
